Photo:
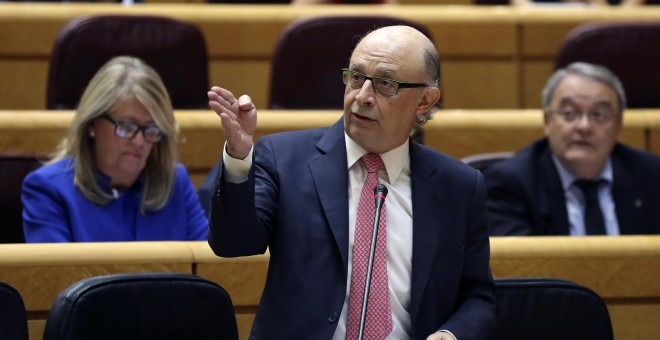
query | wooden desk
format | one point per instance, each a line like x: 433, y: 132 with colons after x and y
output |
x: 41, y: 271
x: 458, y: 133
x: 242, y: 277
x: 494, y: 57
x: 623, y: 270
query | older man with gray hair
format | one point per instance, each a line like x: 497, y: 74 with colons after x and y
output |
x: 578, y: 179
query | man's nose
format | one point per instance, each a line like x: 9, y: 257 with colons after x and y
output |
x: 368, y: 85
x: 584, y: 121
x: 365, y: 95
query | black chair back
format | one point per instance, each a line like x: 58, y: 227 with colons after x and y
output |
x: 310, y: 54
x: 483, y: 161
x: 549, y: 309
x: 13, y: 169
x: 630, y: 50
x: 13, y: 318
x: 176, y: 50
x: 142, y: 306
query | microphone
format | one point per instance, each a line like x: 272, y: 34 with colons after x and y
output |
x: 380, y: 193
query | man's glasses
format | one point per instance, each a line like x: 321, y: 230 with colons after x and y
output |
x: 152, y: 134
x: 384, y: 86
x: 571, y: 115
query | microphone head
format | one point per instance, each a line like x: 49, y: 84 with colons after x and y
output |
x: 380, y: 190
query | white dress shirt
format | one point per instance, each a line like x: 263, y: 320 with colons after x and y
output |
x: 398, y: 203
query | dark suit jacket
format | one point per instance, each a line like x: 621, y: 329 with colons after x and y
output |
x: 300, y: 212
x: 525, y: 195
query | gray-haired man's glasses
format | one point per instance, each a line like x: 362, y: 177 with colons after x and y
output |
x: 571, y: 115
x: 384, y: 86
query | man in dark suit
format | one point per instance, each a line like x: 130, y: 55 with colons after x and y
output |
x: 296, y: 194
x: 541, y: 190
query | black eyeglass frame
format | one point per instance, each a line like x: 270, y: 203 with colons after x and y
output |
x: 594, y: 117
x: 133, y: 127
x: 400, y: 85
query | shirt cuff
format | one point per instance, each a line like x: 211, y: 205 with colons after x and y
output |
x: 446, y: 331
x: 236, y: 170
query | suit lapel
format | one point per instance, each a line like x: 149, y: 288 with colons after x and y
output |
x: 331, y: 180
x: 428, y: 209
x: 552, y: 206
x: 628, y: 205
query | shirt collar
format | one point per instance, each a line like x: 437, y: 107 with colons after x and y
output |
x: 567, y: 178
x: 394, y: 160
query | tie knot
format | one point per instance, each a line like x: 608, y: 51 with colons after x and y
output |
x: 588, y: 187
x: 372, y: 162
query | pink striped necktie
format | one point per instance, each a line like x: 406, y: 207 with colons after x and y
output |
x: 378, y: 322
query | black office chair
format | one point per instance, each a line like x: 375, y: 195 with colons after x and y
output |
x: 310, y: 54
x: 142, y: 306
x: 630, y: 50
x: 483, y: 161
x: 549, y: 309
x: 175, y: 49
x: 13, y: 169
x: 13, y: 318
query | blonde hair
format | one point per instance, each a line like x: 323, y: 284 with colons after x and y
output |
x: 120, y: 79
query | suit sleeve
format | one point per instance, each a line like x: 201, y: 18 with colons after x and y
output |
x: 475, y: 316
x: 508, y: 211
x: 45, y: 218
x: 207, y: 189
x: 242, y: 214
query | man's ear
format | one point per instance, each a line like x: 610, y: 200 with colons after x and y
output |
x: 547, y: 116
x: 430, y: 97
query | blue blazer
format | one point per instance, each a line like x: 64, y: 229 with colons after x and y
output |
x: 525, y: 195
x: 295, y: 203
x: 55, y: 210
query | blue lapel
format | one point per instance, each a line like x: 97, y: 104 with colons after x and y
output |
x: 552, y: 203
x: 428, y: 208
x: 630, y: 205
x: 331, y: 180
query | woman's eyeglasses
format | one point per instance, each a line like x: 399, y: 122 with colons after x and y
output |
x: 125, y: 130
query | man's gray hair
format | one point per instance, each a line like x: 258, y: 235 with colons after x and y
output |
x: 596, y: 72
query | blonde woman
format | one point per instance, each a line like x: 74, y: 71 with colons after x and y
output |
x: 115, y: 177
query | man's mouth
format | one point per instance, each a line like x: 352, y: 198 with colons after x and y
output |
x: 362, y: 117
x: 581, y: 143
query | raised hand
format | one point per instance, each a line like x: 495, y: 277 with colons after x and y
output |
x: 238, y: 117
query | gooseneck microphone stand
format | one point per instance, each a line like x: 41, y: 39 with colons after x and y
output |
x: 380, y: 192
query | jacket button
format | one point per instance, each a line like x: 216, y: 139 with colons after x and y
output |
x: 332, y: 318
